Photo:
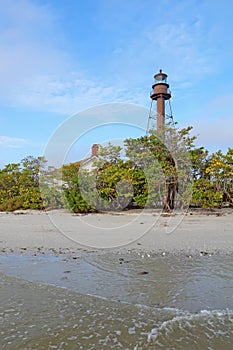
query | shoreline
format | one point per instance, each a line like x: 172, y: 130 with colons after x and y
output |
x: 136, y: 211
x: 58, y: 232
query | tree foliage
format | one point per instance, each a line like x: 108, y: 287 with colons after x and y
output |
x: 19, y: 185
x: 150, y: 171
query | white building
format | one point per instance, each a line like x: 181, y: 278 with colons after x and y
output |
x: 87, y: 164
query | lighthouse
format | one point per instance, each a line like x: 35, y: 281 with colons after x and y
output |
x: 159, y: 94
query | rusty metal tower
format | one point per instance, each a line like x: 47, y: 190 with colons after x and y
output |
x: 160, y: 94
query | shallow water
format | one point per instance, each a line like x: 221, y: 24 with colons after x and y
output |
x: 116, y: 301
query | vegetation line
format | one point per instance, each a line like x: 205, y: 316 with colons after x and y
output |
x: 152, y: 173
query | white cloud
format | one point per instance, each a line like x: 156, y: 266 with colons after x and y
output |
x: 36, y: 73
x: 70, y: 93
x: 26, y: 33
x: 12, y: 142
x: 181, y: 47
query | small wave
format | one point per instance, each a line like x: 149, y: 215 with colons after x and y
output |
x: 203, y: 330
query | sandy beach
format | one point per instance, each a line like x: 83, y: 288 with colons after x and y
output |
x: 131, y: 280
x: 59, y: 232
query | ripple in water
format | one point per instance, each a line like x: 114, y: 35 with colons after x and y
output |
x: 125, y: 308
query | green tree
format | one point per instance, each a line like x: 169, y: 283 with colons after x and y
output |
x: 220, y: 172
x: 166, y: 163
x: 19, y: 187
x: 71, y: 187
x: 199, y: 159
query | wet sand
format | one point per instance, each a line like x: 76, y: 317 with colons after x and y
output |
x: 109, y: 281
x: 63, y: 232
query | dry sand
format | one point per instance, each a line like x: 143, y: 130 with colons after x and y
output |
x: 61, y: 232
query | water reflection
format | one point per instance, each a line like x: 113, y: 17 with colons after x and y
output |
x: 186, y: 283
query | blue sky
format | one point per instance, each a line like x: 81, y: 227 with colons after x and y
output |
x: 60, y: 57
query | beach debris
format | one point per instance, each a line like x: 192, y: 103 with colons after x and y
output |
x: 143, y: 273
x: 152, y: 335
x: 67, y: 271
x: 131, y: 330
x: 53, y: 250
x: 75, y: 257
x: 23, y: 248
x: 139, y: 243
x: 121, y: 260
x: 203, y: 253
x: 167, y: 214
x: 163, y: 253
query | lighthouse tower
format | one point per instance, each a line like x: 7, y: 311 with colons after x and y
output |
x: 160, y: 94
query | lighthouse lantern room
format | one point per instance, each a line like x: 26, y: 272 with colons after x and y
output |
x: 160, y: 94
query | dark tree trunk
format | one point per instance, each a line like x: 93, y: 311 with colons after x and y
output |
x: 171, y: 190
